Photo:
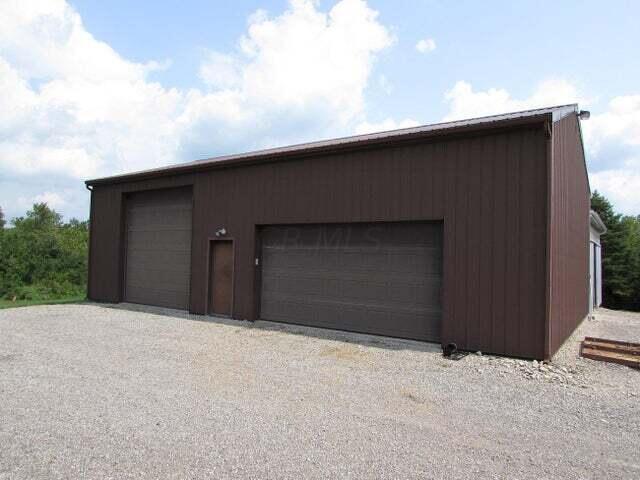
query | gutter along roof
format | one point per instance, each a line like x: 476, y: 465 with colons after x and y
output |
x: 597, y: 222
x: 350, y: 143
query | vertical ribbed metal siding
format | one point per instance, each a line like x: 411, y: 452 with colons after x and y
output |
x: 490, y: 190
x: 104, y: 282
x: 569, y: 223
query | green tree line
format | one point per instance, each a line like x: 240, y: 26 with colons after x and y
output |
x: 620, y: 256
x: 42, y: 257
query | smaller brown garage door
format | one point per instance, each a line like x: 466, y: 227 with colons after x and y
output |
x: 380, y: 278
x: 158, y: 255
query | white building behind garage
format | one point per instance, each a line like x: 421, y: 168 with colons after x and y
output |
x: 596, y: 228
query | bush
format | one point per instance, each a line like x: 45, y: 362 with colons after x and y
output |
x: 42, y: 258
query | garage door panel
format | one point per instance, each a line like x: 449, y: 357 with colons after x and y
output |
x: 363, y: 292
x: 162, y: 220
x: 333, y: 260
x: 406, y: 294
x: 433, y: 265
x: 333, y: 287
x: 163, y: 279
x: 158, y: 241
x: 288, y: 309
x: 158, y: 263
x: 379, y: 278
x: 156, y: 296
x: 380, y: 321
x: 433, y: 295
x: 299, y: 285
x: 418, y: 261
x: 179, y: 237
x: 177, y: 261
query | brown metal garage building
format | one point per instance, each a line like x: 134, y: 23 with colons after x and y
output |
x: 472, y: 232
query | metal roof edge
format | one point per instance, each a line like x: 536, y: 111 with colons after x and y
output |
x: 564, y: 110
x: 584, y: 154
x: 349, y: 143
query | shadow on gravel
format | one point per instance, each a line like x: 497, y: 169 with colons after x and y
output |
x: 320, y: 333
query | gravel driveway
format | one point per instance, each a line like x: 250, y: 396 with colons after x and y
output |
x: 94, y: 391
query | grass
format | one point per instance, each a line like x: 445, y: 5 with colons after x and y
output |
x: 28, y: 303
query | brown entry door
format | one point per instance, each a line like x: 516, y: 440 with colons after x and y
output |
x: 220, y: 277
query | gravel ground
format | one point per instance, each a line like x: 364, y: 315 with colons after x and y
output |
x: 95, y: 391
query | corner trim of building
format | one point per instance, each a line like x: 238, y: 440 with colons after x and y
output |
x: 89, y: 260
x: 548, y: 249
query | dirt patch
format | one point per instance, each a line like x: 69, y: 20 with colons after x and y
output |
x: 346, y: 352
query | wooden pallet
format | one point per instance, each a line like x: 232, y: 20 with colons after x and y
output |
x: 614, y: 351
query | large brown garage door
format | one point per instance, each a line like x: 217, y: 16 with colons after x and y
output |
x: 383, y: 278
x: 158, y: 250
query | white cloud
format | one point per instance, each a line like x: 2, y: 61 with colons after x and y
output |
x: 613, y: 147
x: 464, y: 102
x: 72, y: 107
x: 621, y: 186
x: 619, y: 123
x: 220, y: 70
x: 301, y: 75
x: 307, y: 58
x: 426, y: 45
x: 70, y: 103
x: 52, y: 199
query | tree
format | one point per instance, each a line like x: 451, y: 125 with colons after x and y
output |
x: 2, y: 220
x: 631, y: 228
x: 40, y: 217
x: 620, y: 256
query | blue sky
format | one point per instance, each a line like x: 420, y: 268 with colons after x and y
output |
x: 95, y: 88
